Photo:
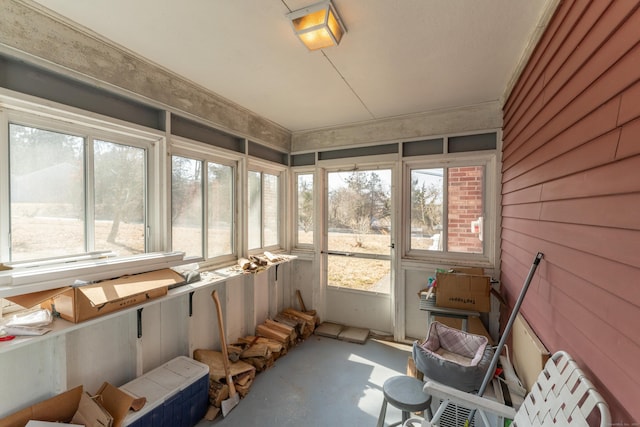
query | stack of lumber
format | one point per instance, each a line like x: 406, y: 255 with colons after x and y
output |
x: 260, y: 352
x: 242, y: 374
x: 253, y: 354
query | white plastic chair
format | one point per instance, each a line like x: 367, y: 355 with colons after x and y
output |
x: 561, y: 395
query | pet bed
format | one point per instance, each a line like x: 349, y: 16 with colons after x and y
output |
x: 453, y: 357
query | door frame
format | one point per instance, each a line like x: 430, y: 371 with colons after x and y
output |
x: 375, y: 162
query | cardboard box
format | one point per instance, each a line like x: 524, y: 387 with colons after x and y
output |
x: 61, y: 408
x: 50, y: 424
x: 463, y: 291
x: 76, y: 304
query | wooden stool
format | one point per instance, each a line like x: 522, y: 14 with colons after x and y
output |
x: 405, y: 393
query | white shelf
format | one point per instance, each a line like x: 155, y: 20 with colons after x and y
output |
x: 60, y: 326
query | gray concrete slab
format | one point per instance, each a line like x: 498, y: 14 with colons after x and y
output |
x: 321, y: 382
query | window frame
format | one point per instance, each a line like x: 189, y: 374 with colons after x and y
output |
x: 295, y: 215
x: 486, y: 159
x: 179, y: 146
x: 90, y: 128
x: 281, y: 172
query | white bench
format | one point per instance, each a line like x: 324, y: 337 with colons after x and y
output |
x: 562, y: 395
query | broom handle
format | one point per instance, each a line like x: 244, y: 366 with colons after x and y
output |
x: 496, y: 356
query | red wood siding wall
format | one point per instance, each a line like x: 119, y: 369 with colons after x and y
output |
x: 571, y: 189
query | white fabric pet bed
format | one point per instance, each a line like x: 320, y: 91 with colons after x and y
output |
x: 453, y: 357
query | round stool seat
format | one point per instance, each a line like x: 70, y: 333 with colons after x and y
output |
x: 404, y: 393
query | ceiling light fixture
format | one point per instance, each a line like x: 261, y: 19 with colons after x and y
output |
x: 318, y: 26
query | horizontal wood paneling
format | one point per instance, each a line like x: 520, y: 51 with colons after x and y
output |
x: 629, y: 141
x: 606, y: 211
x: 571, y: 190
x: 583, y: 238
x: 597, y: 181
x: 629, y: 105
x: 556, y: 32
x: 608, y: 72
x: 544, y: 166
x: 569, y: 80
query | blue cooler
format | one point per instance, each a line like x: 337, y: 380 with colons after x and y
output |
x: 177, y: 395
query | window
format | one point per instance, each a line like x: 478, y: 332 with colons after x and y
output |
x: 263, y: 226
x: 447, y: 209
x: 202, y: 207
x: 305, y: 209
x: 72, y: 194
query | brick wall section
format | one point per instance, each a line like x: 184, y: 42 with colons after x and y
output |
x: 465, y: 205
x: 571, y: 189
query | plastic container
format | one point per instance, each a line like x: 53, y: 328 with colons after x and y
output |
x: 177, y: 395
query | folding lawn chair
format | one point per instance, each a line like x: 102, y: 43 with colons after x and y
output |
x: 561, y: 395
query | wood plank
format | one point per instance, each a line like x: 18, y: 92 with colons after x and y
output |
x: 629, y: 140
x: 561, y: 20
x: 524, y: 195
x: 583, y: 238
x: 604, y: 303
x: 529, y: 353
x: 554, y: 55
x: 578, y: 136
x: 629, y: 105
x: 610, y: 274
x: 583, y: 94
x: 265, y: 331
x: 590, y: 31
x: 214, y: 360
x: 577, y: 122
x: 612, y: 178
x: 606, y: 211
x: 578, y: 159
x: 525, y: 210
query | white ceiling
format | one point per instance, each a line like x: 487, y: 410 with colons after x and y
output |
x: 398, y: 57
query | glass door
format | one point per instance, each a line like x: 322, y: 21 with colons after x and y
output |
x: 359, y: 243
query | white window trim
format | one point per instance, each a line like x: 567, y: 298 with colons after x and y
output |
x: 263, y: 167
x: 57, y: 118
x: 486, y: 159
x: 202, y: 152
x: 294, y: 212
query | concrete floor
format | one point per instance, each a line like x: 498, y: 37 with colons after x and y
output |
x: 321, y: 382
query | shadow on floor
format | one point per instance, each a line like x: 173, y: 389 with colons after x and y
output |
x: 321, y: 382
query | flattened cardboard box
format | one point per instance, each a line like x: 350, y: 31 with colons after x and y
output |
x: 76, y: 304
x: 463, y: 291
x: 62, y: 407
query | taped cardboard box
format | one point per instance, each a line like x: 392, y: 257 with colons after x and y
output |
x: 463, y: 291
x: 77, y: 304
x: 62, y: 407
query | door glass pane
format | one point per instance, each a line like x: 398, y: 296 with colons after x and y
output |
x: 427, y: 187
x: 186, y: 206
x: 220, y: 211
x: 254, y: 226
x: 271, y: 210
x: 119, y: 198
x: 305, y: 209
x: 465, y: 209
x: 359, y: 273
x: 359, y: 224
x: 47, y: 193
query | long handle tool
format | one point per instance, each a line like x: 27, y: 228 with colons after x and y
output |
x: 505, y: 333
x: 233, y: 400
